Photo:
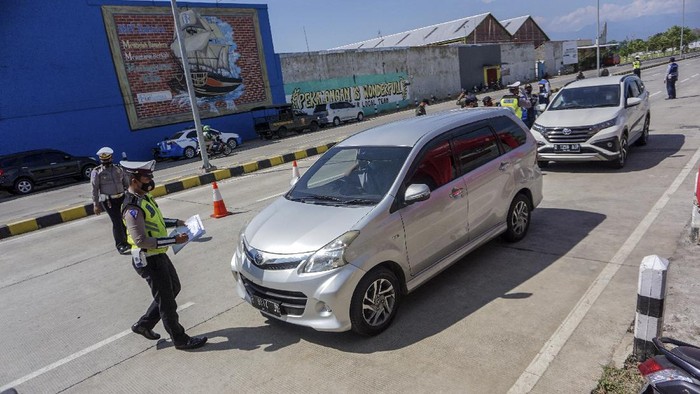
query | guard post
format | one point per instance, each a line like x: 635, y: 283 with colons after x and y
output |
x: 695, y: 213
x: 651, y: 293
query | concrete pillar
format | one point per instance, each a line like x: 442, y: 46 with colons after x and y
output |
x: 651, y: 293
x: 695, y: 213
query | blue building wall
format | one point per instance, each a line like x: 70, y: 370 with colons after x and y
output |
x: 59, y: 85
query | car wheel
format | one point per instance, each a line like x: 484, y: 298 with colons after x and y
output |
x: 24, y: 186
x: 360, y: 116
x: 189, y: 152
x: 644, y: 138
x: 375, y: 302
x: 518, y: 219
x: 282, y: 132
x: 622, y: 157
x: 314, y: 126
x: 232, y: 143
x: 336, y: 121
x: 87, y: 171
x: 543, y: 163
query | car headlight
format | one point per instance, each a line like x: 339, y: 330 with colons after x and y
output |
x: 538, y: 127
x: 330, y: 256
x: 605, y: 125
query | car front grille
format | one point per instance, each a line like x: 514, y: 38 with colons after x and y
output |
x: 291, y: 302
x: 565, y: 135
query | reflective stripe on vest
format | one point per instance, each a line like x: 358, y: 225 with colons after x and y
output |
x: 155, y: 224
x: 512, y: 104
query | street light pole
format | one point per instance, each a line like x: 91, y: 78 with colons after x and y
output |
x: 682, y: 27
x: 190, y: 90
x: 597, y: 43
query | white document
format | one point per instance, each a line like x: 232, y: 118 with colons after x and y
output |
x: 193, y: 228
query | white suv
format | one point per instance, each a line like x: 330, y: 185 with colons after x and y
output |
x: 338, y: 112
x: 594, y: 119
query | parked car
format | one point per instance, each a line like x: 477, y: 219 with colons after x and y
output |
x: 280, y: 120
x: 21, y: 172
x: 382, y: 212
x: 338, y: 112
x: 594, y: 119
x: 184, y: 144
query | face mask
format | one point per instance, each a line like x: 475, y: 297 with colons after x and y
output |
x: 106, y: 163
x: 147, y: 187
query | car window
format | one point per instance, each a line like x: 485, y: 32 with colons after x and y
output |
x: 9, y: 162
x: 177, y: 135
x: 334, y: 106
x: 634, y: 89
x: 475, y: 148
x: 55, y: 157
x: 320, y: 108
x: 348, y: 105
x: 587, y: 97
x: 640, y: 85
x: 34, y: 160
x: 436, y: 166
x: 192, y: 134
x: 509, y: 133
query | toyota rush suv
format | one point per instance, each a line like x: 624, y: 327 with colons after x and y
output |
x: 338, y: 112
x: 594, y: 119
x: 382, y: 212
x: 20, y: 172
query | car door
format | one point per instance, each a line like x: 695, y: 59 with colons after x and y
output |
x: 62, y: 164
x: 486, y: 175
x: 348, y: 111
x: 634, y: 113
x: 437, y: 226
x: 36, y: 167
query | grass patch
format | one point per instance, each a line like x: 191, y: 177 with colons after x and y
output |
x: 625, y: 380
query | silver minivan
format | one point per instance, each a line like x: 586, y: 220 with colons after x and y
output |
x: 382, y: 212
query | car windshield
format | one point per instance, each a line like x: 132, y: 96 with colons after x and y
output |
x: 177, y: 135
x: 587, y: 97
x: 350, y: 176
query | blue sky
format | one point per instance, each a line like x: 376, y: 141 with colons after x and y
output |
x: 333, y: 23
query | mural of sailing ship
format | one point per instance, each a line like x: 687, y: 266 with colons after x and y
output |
x: 208, y: 53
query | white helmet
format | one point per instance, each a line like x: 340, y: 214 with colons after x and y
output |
x: 636, y: 57
x: 105, y: 153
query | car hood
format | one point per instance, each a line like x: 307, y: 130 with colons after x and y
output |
x: 576, y: 117
x: 293, y: 227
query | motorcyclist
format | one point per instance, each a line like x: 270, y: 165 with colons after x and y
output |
x: 208, y: 138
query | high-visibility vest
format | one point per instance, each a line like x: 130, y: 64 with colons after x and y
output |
x: 511, y: 101
x: 636, y: 64
x: 155, y: 224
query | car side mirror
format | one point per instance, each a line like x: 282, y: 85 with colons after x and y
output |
x: 541, y: 107
x: 416, y: 192
x: 632, y: 101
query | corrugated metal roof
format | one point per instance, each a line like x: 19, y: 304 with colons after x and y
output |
x: 513, y: 24
x: 442, y: 32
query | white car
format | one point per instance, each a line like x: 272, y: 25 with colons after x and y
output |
x: 184, y: 144
x: 594, y: 119
x: 338, y: 112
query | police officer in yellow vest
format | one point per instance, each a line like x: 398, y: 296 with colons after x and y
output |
x: 149, y: 240
x: 637, y: 67
x: 516, y: 101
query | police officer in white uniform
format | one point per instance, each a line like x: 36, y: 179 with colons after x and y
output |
x: 109, y: 182
x: 149, y: 240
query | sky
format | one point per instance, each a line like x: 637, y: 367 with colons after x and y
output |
x: 316, y: 25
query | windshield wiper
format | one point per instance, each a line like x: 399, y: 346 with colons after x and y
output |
x: 360, y: 201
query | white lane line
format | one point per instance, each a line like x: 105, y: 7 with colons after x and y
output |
x: 551, y: 348
x: 655, y: 74
x: 269, y: 197
x: 75, y: 355
x: 685, y: 80
x: 693, y: 76
x: 654, y: 94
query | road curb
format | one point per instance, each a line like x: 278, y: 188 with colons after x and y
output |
x: 81, y: 211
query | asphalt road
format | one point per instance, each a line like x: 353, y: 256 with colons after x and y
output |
x: 542, y: 315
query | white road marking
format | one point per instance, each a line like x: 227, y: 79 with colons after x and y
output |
x: 551, y: 348
x: 685, y: 80
x: 75, y: 355
x: 654, y: 94
x: 655, y: 74
x: 693, y: 76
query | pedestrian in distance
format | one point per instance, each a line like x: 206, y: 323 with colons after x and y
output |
x: 579, y: 77
x: 109, y: 182
x: 545, y: 90
x: 420, y: 109
x: 149, y: 240
x: 487, y: 101
x: 637, y: 67
x: 530, y: 111
x: 671, y: 78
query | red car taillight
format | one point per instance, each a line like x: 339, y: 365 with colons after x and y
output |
x: 2, y: 172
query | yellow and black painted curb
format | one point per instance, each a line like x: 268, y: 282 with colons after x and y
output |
x: 81, y: 211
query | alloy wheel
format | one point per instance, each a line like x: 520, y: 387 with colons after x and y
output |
x: 378, y: 302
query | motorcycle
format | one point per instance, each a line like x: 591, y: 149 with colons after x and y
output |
x: 218, y: 148
x: 675, y: 370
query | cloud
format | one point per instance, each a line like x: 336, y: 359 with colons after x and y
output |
x: 581, y: 17
x: 487, y: 1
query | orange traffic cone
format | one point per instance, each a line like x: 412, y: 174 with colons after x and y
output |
x: 295, y: 173
x: 219, y: 206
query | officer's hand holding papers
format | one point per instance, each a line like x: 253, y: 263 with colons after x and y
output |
x: 193, y: 228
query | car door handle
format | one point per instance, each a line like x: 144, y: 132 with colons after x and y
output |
x: 504, y: 165
x: 457, y: 192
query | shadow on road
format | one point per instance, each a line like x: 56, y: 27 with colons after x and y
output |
x: 489, y: 273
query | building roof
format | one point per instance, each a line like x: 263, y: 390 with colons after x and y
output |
x: 513, y: 24
x: 442, y: 32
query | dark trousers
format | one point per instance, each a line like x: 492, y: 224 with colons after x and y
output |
x: 113, y: 207
x: 165, y: 285
x: 637, y: 72
x: 671, y: 87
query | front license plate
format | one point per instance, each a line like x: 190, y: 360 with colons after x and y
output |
x: 265, y: 305
x: 567, y: 148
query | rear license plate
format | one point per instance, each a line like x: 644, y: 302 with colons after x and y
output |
x: 265, y: 305
x: 567, y: 148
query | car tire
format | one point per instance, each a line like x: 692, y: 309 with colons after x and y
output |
x: 622, y: 157
x: 189, y: 152
x: 518, y: 219
x: 314, y: 126
x: 282, y: 132
x: 543, y: 163
x: 374, y: 302
x: 23, y: 186
x: 86, y: 172
x: 360, y: 116
x: 336, y: 121
x: 644, y: 138
x: 232, y: 143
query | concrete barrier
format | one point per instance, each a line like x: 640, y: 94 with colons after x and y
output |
x: 651, y: 293
x: 695, y: 213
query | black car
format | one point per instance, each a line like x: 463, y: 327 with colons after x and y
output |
x: 20, y: 172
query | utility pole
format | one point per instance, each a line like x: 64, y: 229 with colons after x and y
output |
x: 206, y: 166
x: 682, y: 28
x: 597, y: 43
